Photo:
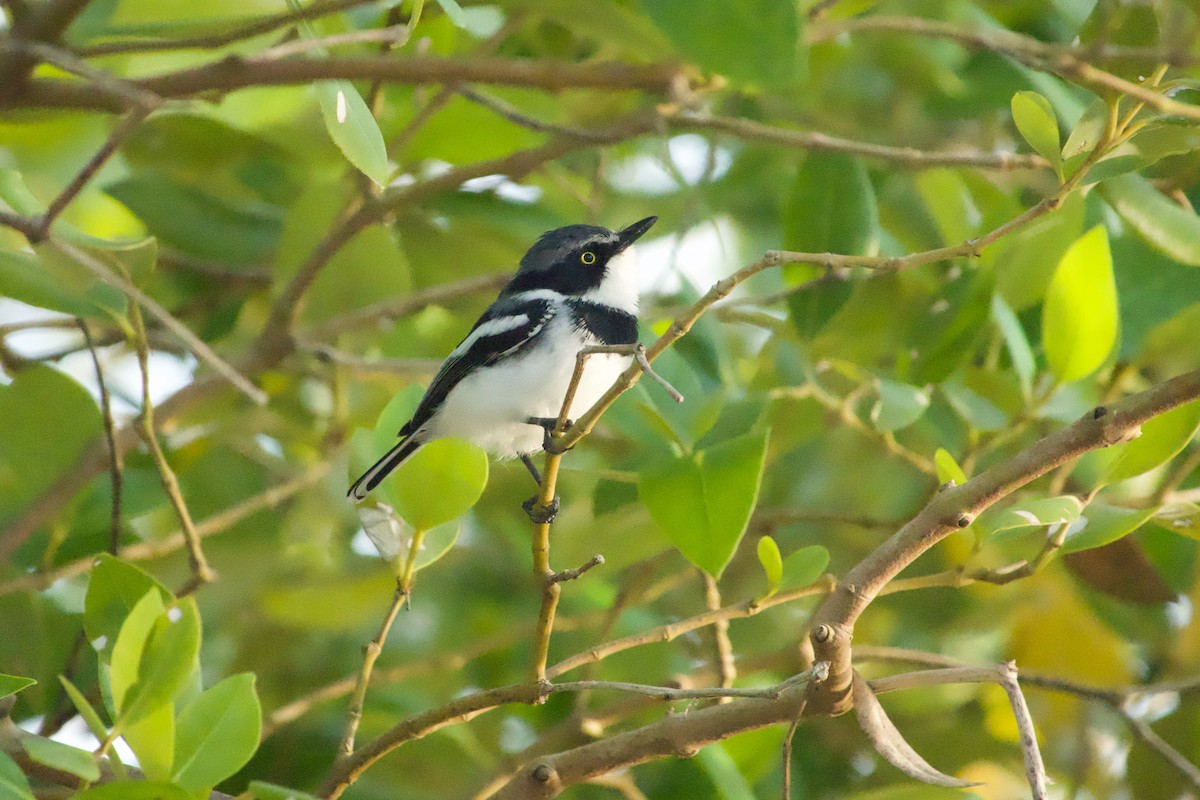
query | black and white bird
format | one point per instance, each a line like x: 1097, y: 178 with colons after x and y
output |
x: 577, y: 286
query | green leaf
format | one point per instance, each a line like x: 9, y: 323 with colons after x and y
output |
x: 1016, y: 341
x: 13, y: 783
x: 804, y: 567
x: 353, y: 128
x: 947, y: 468
x: 730, y: 37
x: 1040, y: 512
x: 832, y: 209
x: 950, y: 201
x: 979, y: 412
x: 1036, y: 121
x: 261, y: 790
x: 703, y: 501
x: 217, y: 733
x: 57, y: 755
x: 89, y: 715
x: 129, y: 646
x: 1087, y: 132
x: 11, y: 684
x: 439, y: 483
x: 24, y: 277
x: 134, y: 790
x: 168, y: 660
x: 899, y: 405
x: 722, y: 770
x: 1179, y: 518
x: 1166, y: 226
x: 114, y: 589
x: 1079, y: 317
x: 1101, y: 524
x: 1163, y: 437
x: 772, y: 563
x: 454, y: 12
x: 151, y: 737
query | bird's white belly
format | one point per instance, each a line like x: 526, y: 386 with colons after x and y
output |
x: 490, y: 406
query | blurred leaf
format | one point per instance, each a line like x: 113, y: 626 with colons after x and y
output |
x: 951, y: 203
x: 13, y: 783
x: 1016, y: 341
x: 439, y: 483
x: 1120, y: 569
x: 134, y: 790
x: 438, y: 541
x: 1163, y: 437
x: 1079, y: 318
x: 730, y: 36
x: 11, y: 684
x: 979, y: 412
x: 23, y: 277
x: 1036, y: 121
x: 154, y: 654
x: 130, y: 645
x: 899, y: 405
x: 217, y: 733
x: 772, y: 564
x: 721, y: 769
x: 114, y: 588
x: 199, y: 223
x: 1100, y: 524
x: 261, y: 790
x: 57, y: 755
x: 81, y: 704
x: 1024, y: 263
x: 832, y: 208
x: 703, y: 501
x: 1087, y: 132
x: 947, y: 468
x: 811, y: 308
x: 1040, y: 512
x: 151, y: 737
x: 1180, y: 518
x: 353, y: 128
x: 454, y: 11
x: 1166, y: 226
x: 804, y: 567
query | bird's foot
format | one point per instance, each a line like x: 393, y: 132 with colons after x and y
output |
x: 548, y: 424
x: 539, y: 513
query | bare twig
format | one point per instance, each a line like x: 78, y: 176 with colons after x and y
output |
x: 197, y: 346
x: 726, y: 668
x: 370, y: 655
x: 114, y: 457
x: 202, y: 573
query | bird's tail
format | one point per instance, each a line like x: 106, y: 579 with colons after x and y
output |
x: 383, y: 467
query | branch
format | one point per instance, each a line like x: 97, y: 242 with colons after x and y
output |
x: 957, y: 506
x: 821, y: 142
x: 44, y: 22
x: 233, y: 72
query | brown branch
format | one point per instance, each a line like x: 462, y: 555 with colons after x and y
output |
x: 749, y: 130
x: 370, y: 655
x: 723, y: 648
x: 232, y: 73
x: 957, y: 506
x: 44, y: 22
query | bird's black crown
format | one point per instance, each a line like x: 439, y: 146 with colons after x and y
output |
x: 573, y: 259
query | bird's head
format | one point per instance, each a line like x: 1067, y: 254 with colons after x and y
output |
x: 585, y: 261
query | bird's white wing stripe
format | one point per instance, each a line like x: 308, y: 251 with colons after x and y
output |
x: 538, y: 294
x: 490, y: 328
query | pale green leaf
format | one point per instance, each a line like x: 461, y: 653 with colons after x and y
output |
x: 772, y: 563
x: 947, y: 468
x: 703, y: 501
x: 217, y: 733
x: 261, y: 790
x: 114, y: 588
x: 13, y: 783
x: 1101, y: 524
x: 1036, y: 121
x: 57, y: 755
x: 126, y: 658
x: 804, y: 566
x: 1016, y: 341
x: 11, y: 684
x: 723, y: 772
x: 353, y: 128
x: 439, y: 483
x: 1079, y: 317
x: 1166, y: 226
x: 899, y: 405
x: 1040, y: 512
x: 1163, y: 437
x: 832, y: 208
x: 151, y: 737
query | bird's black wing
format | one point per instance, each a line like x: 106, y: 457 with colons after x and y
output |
x: 509, y: 325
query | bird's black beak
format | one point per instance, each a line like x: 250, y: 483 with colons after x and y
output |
x: 628, y: 236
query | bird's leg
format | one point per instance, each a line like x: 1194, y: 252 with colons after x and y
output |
x: 548, y: 424
x: 536, y: 511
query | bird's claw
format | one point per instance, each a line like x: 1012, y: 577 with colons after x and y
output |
x: 541, y: 514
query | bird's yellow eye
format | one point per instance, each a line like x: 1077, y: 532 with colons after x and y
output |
x: 588, y: 257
